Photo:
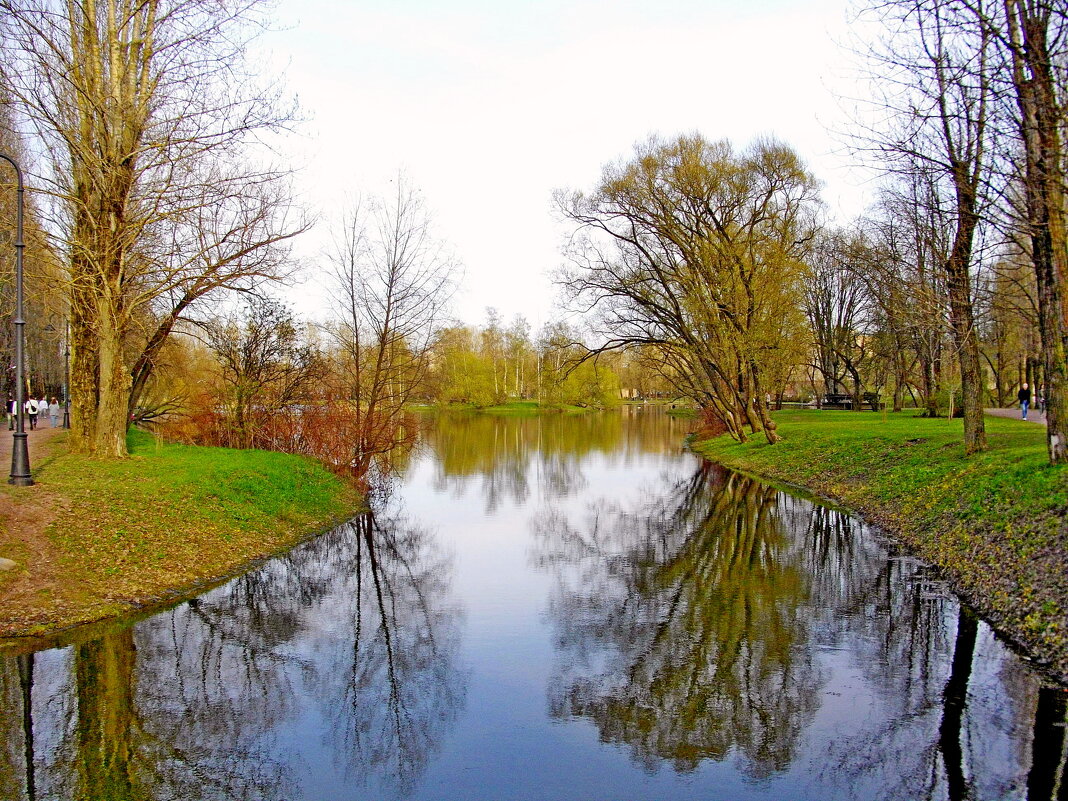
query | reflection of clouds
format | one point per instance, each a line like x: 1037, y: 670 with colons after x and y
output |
x: 394, y: 693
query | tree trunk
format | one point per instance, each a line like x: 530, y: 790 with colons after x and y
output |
x: 1040, y: 122
x: 112, y: 416
x: 757, y: 400
x: 962, y: 320
x: 84, y: 366
x: 930, y: 388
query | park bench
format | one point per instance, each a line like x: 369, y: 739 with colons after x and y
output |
x: 872, y: 399
x: 837, y: 401
x: 841, y: 401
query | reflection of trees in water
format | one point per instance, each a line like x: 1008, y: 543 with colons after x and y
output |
x: 17, y: 778
x: 680, y: 626
x: 515, y: 455
x: 395, y: 691
x: 956, y: 709
x: 691, y: 626
x: 1048, y: 778
x: 938, y: 732
x: 941, y: 730
x: 190, y: 704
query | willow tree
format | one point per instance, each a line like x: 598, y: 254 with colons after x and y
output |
x: 698, y: 249
x: 150, y: 123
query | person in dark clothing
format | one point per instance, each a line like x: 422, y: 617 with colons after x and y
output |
x: 1024, y: 396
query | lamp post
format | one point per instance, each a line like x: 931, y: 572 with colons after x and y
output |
x: 20, y: 452
x: 66, y: 377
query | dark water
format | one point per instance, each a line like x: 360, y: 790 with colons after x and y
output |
x: 559, y: 608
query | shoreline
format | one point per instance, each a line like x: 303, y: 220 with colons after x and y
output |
x: 1000, y: 544
x: 100, y: 542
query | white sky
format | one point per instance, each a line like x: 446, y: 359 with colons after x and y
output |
x: 490, y: 105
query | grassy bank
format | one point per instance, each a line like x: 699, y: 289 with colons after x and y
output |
x: 995, y: 523
x: 94, y: 539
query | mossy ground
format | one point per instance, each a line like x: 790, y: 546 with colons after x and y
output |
x: 995, y: 523
x: 120, y: 535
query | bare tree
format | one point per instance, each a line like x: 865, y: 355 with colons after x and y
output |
x: 909, y: 282
x: 392, y: 281
x: 150, y: 124
x: 264, y: 364
x: 936, y: 74
x: 837, y: 306
x: 1035, y: 33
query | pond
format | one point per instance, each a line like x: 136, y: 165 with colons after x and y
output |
x: 565, y: 607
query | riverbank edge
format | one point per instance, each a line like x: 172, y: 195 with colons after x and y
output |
x: 511, y: 409
x: 990, y: 563
x: 339, y: 501
x: 119, y: 614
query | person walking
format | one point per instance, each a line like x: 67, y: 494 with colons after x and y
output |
x: 53, y: 412
x: 12, y: 412
x: 1024, y: 396
x: 31, y: 412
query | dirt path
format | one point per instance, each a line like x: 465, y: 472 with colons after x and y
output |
x: 1033, y: 416
x: 25, y: 513
x: 34, y: 439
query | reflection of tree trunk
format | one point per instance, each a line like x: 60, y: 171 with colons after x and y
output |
x: 1047, y: 780
x: 26, y: 683
x: 104, y: 671
x: 365, y: 526
x: 955, y: 697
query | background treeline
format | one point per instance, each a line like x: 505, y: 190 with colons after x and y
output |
x: 160, y: 219
x: 949, y: 292
x: 233, y: 377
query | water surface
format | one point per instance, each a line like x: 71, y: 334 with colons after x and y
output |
x: 550, y: 608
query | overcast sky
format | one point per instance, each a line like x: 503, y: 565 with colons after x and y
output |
x: 490, y: 105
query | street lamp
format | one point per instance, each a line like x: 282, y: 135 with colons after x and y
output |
x: 66, y: 377
x: 20, y: 452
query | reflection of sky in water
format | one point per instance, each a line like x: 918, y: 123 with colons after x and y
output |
x: 537, y: 592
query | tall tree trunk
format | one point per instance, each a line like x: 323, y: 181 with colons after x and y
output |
x: 962, y: 318
x: 1040, y: 120
x: 930, y: 387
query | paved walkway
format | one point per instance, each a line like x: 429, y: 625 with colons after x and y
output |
x: 1033, y: 415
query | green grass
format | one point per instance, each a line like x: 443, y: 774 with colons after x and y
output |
x: 995, y: 522
x: 170, y: 518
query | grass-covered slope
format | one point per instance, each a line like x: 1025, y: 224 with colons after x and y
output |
x: 995, y: 523
x: 116, y: 535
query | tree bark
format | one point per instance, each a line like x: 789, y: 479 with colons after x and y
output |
x: 1040, y: 120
